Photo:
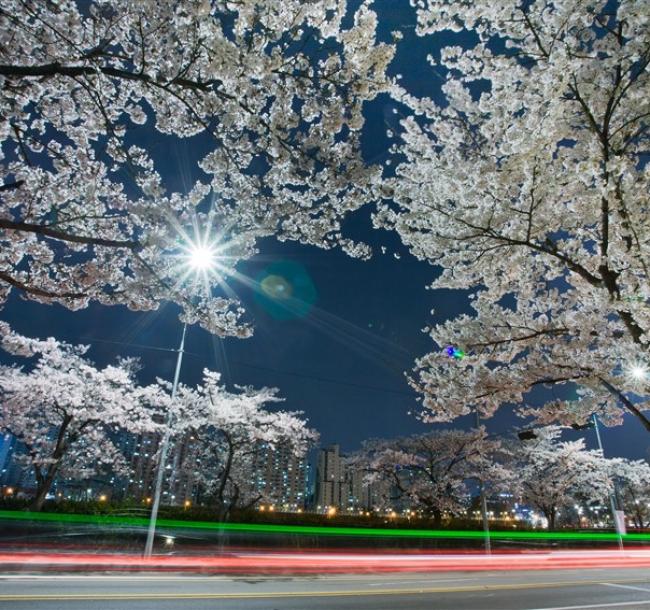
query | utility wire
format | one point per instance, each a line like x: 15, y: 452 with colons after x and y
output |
x: 264, y: 368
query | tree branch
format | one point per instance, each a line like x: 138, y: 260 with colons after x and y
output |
x: 627, y: 403
x: 40, y: 291
x: 64, y: 236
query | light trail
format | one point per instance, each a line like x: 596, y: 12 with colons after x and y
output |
x: 325, y: 563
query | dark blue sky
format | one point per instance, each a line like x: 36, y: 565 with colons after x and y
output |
x: 343, y: 361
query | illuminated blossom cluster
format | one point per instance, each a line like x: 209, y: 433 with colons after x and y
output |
x: 528, y: 186
x: 65, y: 412
x: 226, y: 430
x: 553, y: 474
x: 96, y: 96
x: 432, y: 472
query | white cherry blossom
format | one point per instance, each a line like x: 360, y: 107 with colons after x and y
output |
x: 65, y: 412
x: 528, y: 185
x: 94, y: 96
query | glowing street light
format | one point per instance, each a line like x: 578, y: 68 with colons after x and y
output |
x: 638, y: 372
x: 202, y: 258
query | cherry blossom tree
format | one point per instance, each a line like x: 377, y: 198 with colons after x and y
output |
x: 528, y: 185
x: 93, y: 95
x: 553, y: 474
x: 632, y: 480
x: 64, y: 410
x: 226, y: 429
x: 431, y: 471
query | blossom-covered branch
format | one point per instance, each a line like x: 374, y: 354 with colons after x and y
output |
x: 529, y: 186
x: 270, y: 96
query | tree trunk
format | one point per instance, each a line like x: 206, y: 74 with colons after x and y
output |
x: 550, y: 514
x: 223, y: 507
x: 45, y: 483
x: 437, y: 517
x: 223, y: 510
x: 44, y: 488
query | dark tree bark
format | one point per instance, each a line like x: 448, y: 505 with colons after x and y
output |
x: 550, y: 512
x: 44, y: 480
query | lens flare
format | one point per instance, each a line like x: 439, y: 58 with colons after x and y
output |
x: 454, y: 352
x: 285, y: 290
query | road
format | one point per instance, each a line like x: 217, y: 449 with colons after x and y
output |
x: 585, y: 589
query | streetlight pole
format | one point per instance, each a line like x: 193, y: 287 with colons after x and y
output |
x: 484, y: 513
x: 200, y: 256
x: 164, y: 450
x: 612, y: 496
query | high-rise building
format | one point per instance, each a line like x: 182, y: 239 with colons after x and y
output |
x: 354, y: 490
x: 139, y: 451
x: 344, y: 486
x: 329, y: 477
x: 280, y: 476
x: 13, y: 472
x: 7, y: 442
x: 179, y: 480
x: 357, y: 494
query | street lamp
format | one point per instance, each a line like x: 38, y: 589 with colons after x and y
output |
x: 200, y: 258
x: 638, y: 372
x: 612, y: 496
x: 483, y: 498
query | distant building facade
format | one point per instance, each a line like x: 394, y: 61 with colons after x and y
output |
x: 329, y: 479
x: 341, y: 485
x: 280, y: 477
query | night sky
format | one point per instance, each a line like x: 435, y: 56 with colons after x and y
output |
x: 341, y: 356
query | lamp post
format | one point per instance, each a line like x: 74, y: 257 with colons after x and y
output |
x: 484, y: 511
x: 200, y: 258
x: 612, y: 496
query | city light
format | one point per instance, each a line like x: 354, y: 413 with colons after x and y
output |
x: 202, y: 258
x: 638, y: 372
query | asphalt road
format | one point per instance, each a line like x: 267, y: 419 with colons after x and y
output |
x: 584, y: 589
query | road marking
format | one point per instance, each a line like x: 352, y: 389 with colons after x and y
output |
x: 430, y: 581
x: 289, y: 594
x: 591, y: 606
x: 612, y: 584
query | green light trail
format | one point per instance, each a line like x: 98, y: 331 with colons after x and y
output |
x: 311, y: 530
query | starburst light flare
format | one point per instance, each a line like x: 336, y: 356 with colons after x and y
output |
x: 638, y: 372
x: 202, y: 258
